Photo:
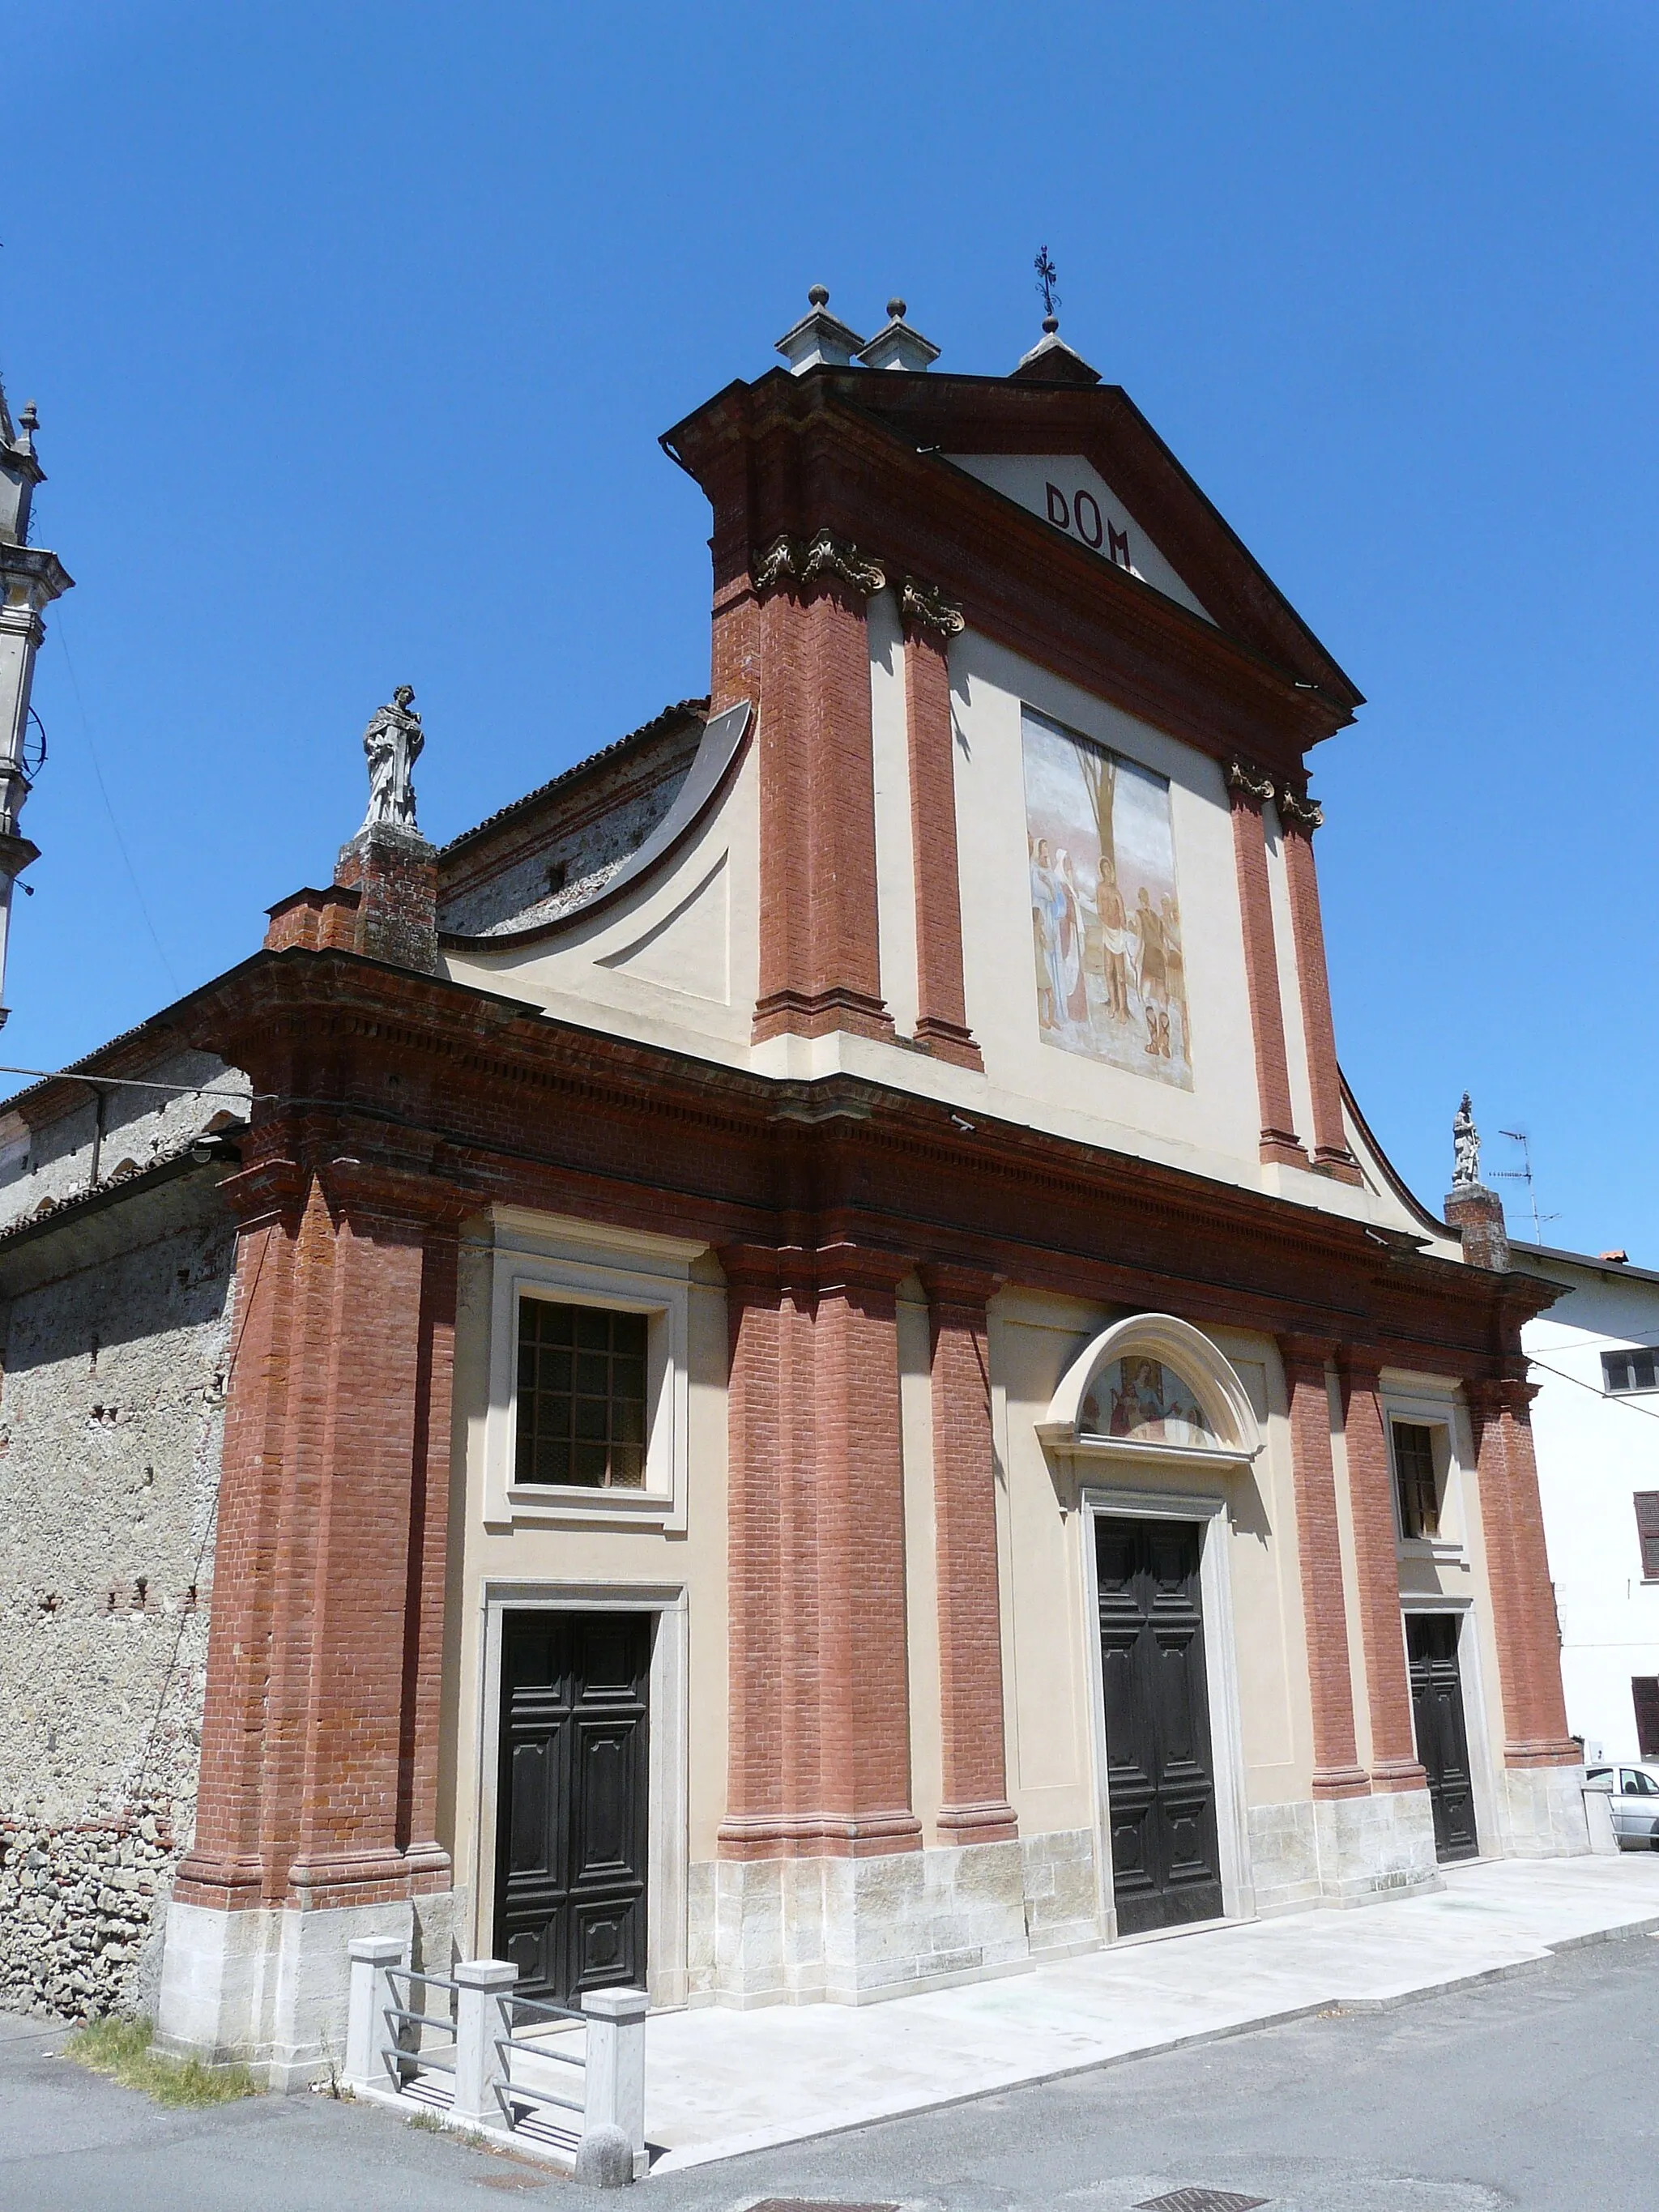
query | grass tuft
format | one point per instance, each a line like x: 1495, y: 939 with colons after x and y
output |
x: 120, y: 2047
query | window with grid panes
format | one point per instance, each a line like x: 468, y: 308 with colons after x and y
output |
x: 581, y: 1395
x: 1629, y: 1371
x: 1413, y: 1467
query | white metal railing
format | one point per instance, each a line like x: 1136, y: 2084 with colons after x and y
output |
x: 569, y: 2084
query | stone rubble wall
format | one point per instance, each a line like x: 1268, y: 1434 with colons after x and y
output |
x: 80, y: 1933
x: 111, y: 1431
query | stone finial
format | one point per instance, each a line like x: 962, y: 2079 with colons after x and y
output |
x: 392, y: 745
x: 896, y: 345
x: 819, y: 339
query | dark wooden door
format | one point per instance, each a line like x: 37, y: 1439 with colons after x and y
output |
x: 1442, y: 1741
x: 1160, y: 1784
x: 570, y: 1854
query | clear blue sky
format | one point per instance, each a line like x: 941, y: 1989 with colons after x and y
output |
x: 353, y: 328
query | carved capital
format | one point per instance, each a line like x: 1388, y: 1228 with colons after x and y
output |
x: 1250, y: 782
x: 792, y: 560
x: 923, y: 606
x: 1300, y: 813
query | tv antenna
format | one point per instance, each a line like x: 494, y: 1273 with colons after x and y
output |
x: 1523, y: 1174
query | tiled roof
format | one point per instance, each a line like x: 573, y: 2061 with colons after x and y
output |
x: 682, y: 710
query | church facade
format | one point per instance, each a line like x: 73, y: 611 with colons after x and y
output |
x: 823, y: 1390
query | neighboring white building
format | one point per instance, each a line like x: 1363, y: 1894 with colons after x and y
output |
x: 1595, y: 1427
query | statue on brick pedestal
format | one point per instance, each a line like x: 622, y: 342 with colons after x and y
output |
x: 1466, y: 1147
x: 392, y: 744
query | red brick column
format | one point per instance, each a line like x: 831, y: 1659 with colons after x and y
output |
x: 319, y: 1744
x: 1337, y: 1771
x: 819, y: 959
x: 1517, y: 1573
x: 1395, y: 1763
x: 975, y: 1807
x: 930, y: 623
x: 819, y: 1759
x: 1298, y: 819
x: 1273, y: 1080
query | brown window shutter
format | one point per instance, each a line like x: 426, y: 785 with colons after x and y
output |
x: 1647, y: 1528
x: 1644, y: 1696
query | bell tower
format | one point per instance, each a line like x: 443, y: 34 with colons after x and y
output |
x: 30, y: 578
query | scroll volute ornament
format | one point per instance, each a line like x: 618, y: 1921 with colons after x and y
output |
x: 798, y: 561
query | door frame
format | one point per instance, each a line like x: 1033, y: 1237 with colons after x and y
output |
x: 1490, y: 1830
x: 667, y: 1762
x: 1097, y: 1501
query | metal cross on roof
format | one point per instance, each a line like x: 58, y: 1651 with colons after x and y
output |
x: 1047, y: 280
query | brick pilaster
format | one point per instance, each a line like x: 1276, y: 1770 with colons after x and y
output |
x: 1394, y: 1763
x: 941, y: 1005
x: 820, y: 967
x: 975, y: 1807
x: 862, y: 1608
x: 1278, y: 1139
x: 225, y: 1867
x: 1517, y: 1573
x: 1298, y: 819
x: 819, y: 1753
x: 321, y: 1724
x: 1337, y: 1771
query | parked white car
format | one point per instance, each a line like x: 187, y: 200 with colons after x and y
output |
x: 1634, y: 1789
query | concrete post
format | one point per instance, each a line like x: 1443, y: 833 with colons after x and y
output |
x: 483, y: 1986
x: 371, y: 1993
x: 613, y: 2126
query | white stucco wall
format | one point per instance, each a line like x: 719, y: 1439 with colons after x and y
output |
x: 1594, y: 1452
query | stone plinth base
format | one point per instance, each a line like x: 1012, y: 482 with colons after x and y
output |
x: 1342, y: 1851
x: 267, y: 1989
x: 1375, y: 1847
x: 851, y: 1931
x: 1544, y: 1806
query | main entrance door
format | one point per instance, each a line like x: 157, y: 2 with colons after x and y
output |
x: 1443, y: 1742
x: 570, y: 1852
x: 1160, y: 1786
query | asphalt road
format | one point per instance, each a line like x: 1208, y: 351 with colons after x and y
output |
x: 1540, y: 2092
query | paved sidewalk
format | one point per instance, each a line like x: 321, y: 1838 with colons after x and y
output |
x: 721, y: 2083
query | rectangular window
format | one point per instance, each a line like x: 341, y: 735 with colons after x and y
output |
x: 1644, y: 1696
x: 1647, y: 1531
x: 1413, y: 1467
x: 581, y: 1396
x: 1630, y: 1371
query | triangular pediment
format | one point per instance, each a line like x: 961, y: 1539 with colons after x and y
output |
x: 1070, y: 494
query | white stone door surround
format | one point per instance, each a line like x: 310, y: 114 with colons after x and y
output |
x: 1111, y: 1474
x: 667, y: 1834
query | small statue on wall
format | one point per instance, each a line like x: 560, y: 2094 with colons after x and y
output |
x: 392, y: 745
x: 1466, y: 1147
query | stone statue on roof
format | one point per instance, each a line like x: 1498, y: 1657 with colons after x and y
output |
x: 1466, y: 1147
x: 392, y: 745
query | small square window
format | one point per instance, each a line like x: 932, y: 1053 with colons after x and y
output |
x: 1633, y: 1369
x: 1415, y: 1475
x: 581, y: 1396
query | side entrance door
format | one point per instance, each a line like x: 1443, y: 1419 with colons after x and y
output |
x: 570, y: 1820
x: 1443, y: 1742
x: 1160, y: 1785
